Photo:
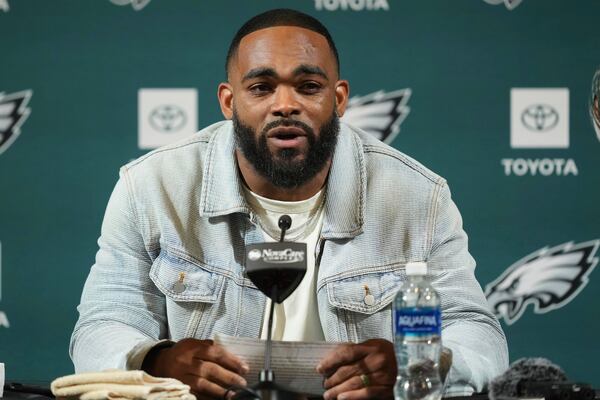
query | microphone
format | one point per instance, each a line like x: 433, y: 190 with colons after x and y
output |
x: 285, y: 222
x: 557, y: 391
x: 537, y: 377
x: 276, y: 269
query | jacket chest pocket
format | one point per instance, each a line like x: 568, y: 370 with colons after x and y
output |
x: 363, y: 303
x: 191, y: 290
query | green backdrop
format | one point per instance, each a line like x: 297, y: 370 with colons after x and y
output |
x: 85, y: 60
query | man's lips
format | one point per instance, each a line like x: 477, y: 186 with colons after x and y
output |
x: 286, y: 132
x: 287, y: 136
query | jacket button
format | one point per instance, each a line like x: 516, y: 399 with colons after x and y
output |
x: 178, y: 287
x: 369, y: 300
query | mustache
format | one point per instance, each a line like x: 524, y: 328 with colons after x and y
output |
x: 286, y: 122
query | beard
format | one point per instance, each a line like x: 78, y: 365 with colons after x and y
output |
x: 285, y: 169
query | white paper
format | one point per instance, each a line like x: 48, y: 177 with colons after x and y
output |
x: 293, y: 363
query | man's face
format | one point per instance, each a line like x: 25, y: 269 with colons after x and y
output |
x: 284, y: 97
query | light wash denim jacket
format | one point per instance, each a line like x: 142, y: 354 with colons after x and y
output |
x: 181, y: 209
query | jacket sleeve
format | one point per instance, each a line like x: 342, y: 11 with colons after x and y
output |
x: 469, y: 329
x: 122, y: 314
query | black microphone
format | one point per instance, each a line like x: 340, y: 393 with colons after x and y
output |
x: 276, y: 269
x: 537, y: 377
x: 550, y: 390
x: 285, y: 222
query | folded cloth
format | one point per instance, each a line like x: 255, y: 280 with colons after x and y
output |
x: 118, y: 384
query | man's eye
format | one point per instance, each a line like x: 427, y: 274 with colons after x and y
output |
x: 310, y: 87
x: 260, y: 88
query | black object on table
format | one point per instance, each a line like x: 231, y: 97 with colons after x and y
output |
x: 20, y: 391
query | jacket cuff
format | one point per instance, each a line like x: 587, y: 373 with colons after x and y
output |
x: 136, y: 356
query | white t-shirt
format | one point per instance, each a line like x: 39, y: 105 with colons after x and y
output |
x: 297, y: 318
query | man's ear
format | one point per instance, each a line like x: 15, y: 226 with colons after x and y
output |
x: 225, y: 95
x: 342, y: 91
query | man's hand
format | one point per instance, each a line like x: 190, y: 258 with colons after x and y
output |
x: 345, y: 365
x: 206, y: 367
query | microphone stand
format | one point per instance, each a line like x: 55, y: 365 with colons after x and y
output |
x: 267, y: 375
x: 267, y: 388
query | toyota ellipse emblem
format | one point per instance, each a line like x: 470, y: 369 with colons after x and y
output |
x: 539, y: 117
x: 167, y: 118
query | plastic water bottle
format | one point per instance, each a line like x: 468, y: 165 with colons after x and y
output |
x: 417, y: 341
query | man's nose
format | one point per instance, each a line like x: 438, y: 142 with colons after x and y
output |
x: 285, y: 102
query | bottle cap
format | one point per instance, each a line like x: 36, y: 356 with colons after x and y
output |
x: 416, y: 268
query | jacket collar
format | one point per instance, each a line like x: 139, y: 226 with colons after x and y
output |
x: 222, y: 191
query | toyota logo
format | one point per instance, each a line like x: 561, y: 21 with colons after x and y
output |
x: 539, y: 118
x: 167, y: 118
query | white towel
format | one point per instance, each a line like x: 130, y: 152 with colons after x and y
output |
x: 117, y: 384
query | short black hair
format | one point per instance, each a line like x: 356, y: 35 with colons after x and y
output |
x: 280, y: 17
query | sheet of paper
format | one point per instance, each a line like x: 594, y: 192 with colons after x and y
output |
x: 293, y: 363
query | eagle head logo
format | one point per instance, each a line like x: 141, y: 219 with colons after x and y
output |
x: 136, y: 4
x: 379, y: 113
x: 510, y: 4
x: 548, y: 278
x: 13, y: 113
x: 595, y: 103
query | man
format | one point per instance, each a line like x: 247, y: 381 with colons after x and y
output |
x: 169, y: 273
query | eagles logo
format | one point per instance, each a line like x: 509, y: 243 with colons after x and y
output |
x: 595, y: 103
x: 379, y: 113
x: 136, y: 4
x: 13, y: 113
x: 510, y: 4
x: 549, y: 279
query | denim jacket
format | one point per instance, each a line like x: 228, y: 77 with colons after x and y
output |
x: 181, y: 209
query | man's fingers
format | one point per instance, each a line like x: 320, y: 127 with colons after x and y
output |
x: 219, y: 355
x: 371, y: 392
x: 370, y: 364
x: 343, y: 354
x: 342, y: 374
x: 212, y: 380
x: 204, y: 387
x: 355, y: 383
x: 356, y: 371
x: 348, y: 385
x: 219, y: 375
